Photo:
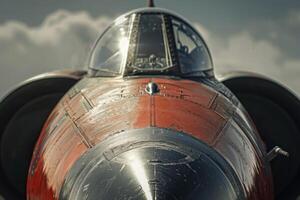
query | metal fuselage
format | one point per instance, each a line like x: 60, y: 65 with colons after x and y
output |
x: 98, y: 108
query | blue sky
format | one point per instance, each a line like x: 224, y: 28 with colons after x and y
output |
x: 259, y: 36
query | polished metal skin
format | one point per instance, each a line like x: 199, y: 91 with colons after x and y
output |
x: 97, y: 109
x: 151, y: 163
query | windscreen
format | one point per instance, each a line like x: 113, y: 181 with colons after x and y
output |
x: 192, y: 52
x: 150, y: 43
x: 111, y: 49
x: 150, y: 48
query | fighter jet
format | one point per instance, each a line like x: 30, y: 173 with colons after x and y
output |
x: 148, y: 120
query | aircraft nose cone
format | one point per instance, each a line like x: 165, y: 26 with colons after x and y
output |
x: 150, y: 170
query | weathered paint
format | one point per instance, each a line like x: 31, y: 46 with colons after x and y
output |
x: 97, y: 108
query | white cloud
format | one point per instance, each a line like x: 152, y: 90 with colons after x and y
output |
x: 63, y: 40
x: 244, y: 52
x: 294, y: 18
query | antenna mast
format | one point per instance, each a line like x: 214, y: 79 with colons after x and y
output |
x: 151, y: 3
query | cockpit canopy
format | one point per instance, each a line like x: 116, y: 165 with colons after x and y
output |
x: 150, y: 42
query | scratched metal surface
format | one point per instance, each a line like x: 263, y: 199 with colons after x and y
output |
x: 97, y: 108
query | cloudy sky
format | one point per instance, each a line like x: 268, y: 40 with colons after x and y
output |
x: 43, y: 35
